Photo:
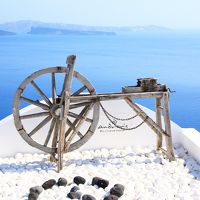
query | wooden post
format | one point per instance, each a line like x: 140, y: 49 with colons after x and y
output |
x: 159, y: 121
x: 166, y: 115
x: 64, y: 104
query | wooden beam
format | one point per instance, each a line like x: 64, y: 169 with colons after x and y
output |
x: 159, y: 122
x: 166, y: 115
x: 65, y: 102
x: 113, y: 96
x: 53, y: 87
x: 145, y: 117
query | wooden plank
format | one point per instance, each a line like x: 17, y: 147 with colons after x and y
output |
x: 166, y: 115
x: 65, y: 98
x: 53, y: 87
x: 39, y: 91
x: 113, y: 96
x: 55, y: 140
x: 159, y: 122
x: 145, y: 117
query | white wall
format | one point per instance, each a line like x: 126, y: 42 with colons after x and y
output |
x: 11, y: 142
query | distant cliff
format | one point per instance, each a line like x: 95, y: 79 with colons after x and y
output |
x: 6, y: 33
x: 56, y: 31
x: 36, y: 27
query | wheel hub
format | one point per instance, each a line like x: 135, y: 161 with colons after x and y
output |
x: 55, y: 111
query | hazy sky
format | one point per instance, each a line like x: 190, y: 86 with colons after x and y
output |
x: 169, y: 13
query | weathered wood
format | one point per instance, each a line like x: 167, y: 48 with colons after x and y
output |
x: 76, y: 116
x: 77, y: 105
x: 145, y: 117
x: 45, y: 98
x: 55, y: 140
x: 166, y: 116
x: 36, y: 103
x: 80, y: 116
x: 39, y: 126
x: 72, y: 127
x: 158, y: 121
x: 69, y: 140
x: 19, y: 97
x: 65, y: 108
x: 34, y: 115
x: 50, y: 132
x: 79, y: 91
x: 53, y: 87
x: 61, y: 142
x: 59, y: 111
x: 137, y: 89
x: 114, y: 96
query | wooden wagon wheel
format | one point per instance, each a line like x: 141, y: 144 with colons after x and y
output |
x: 49, y: 114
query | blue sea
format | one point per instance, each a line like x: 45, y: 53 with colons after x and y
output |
x: 110, y: 62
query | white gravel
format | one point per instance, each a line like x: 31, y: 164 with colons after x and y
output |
x: 145, y: 174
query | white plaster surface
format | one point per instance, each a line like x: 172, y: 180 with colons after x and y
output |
x: 12, y: 143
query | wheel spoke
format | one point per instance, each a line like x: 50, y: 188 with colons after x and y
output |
x: 55, y: 135
x: 76, y: 121
x: 50, y: 132
x: 76, y: 105
x: 72, y: 127
x: 53, y: 88
x: 36, y: 103
x: 74, y: 115
x: 79, y: 91
x: 39, y: 126
x: 30, y: 116
x: 46, y: 99
x: 79, y: 124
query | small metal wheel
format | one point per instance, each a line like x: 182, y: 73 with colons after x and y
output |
x: 40, y: 128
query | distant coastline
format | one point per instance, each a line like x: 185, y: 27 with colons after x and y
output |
x: 35, y: 27
x: 56, y: 31
x: 4, y: 33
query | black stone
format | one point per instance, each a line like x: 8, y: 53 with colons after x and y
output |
x: 49, y: 184
x: 117, y: 190
x: 100, y: 182
x: 36, y: 189
x: 111, y: 197
x: 74, y: 195
x: 88, y: 197
x: 33, y: 196
x: 74, y: 189
x: 62, y: 182
x: 79, y: 180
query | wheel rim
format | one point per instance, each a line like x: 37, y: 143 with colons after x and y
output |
x: 48, y: 114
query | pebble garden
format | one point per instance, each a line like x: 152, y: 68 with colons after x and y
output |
x: 103, y: 174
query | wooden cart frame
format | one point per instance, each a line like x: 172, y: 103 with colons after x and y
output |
x: 58, y: 109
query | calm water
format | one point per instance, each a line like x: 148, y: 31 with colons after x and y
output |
x: 110, y: 62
